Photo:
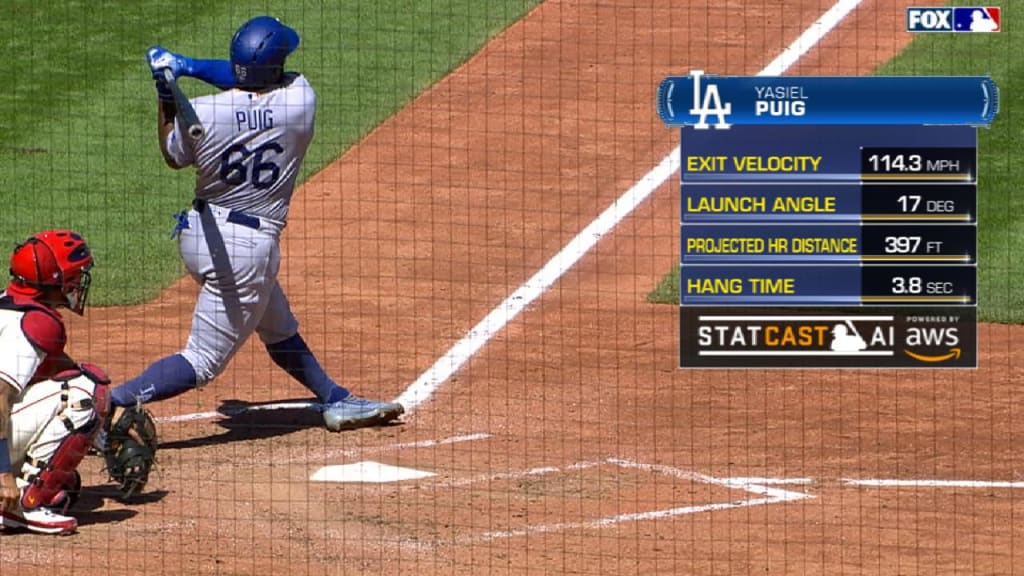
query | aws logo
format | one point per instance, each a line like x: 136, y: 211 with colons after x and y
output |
x: 933, y: 344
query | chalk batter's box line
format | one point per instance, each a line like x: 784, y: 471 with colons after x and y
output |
x: 760, y: 485
x: 765, y: 494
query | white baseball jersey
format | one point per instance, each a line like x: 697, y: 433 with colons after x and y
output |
x: 19, y: 359
x: 254, y: 145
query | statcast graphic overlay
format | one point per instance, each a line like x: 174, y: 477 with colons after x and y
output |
x: 828, y: 221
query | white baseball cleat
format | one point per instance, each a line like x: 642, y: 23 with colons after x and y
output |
x: 355, y: 412
x: 41, y: 520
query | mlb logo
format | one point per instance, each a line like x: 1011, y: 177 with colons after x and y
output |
x: 929, y: 19
x: 976, y: 19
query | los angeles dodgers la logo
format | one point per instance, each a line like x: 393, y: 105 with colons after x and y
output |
x: 711, y: 97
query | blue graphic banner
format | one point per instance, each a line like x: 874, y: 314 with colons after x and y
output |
x: 804, y: 154
x: 826, y: 285
x: 721, y: 101
x: 847, y: 202
x: 810, y: 243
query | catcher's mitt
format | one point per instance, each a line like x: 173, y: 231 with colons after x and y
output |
x: 131, y: 450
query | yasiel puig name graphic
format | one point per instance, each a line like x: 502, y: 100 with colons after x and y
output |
x: 780, y: 101
x: 700, y: 101
x: 769, y: 100
x: 883, y: 337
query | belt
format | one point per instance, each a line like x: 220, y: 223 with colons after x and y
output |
x: 234, y: 216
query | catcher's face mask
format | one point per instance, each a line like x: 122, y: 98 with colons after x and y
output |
x: 78, y: 293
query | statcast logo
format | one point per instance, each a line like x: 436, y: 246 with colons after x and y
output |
x: 764, y: 336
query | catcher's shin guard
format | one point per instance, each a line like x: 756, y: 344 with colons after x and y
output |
x: 54, y: 482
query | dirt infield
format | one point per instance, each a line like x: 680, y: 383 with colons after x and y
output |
x: 569, y: 443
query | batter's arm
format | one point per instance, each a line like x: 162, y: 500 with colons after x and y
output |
x: 220, y: 73
x: 164, y: 63
x: 165, y: 126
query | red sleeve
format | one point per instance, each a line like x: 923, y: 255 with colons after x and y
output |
x: 44, y: 331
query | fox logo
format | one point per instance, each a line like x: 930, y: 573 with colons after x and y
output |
x: 929, y: 19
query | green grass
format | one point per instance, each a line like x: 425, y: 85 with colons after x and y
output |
x: 1001, y: 151
x: 78, y: 119
x: 667, y: 290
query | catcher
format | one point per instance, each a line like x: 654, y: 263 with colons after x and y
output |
x: 50, y: 407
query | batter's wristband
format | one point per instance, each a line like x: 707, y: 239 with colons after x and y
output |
x: 5, y: 457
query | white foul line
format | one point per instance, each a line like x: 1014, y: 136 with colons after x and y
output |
x: 428, y: 383
x: 424, y: 387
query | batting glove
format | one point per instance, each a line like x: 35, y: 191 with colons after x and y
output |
x: 160, y: 58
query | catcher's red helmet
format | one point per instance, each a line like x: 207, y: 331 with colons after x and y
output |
x: 55, y: 259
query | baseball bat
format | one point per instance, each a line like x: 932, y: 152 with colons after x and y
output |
x: 186, y: 113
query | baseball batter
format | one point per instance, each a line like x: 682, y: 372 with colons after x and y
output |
x: 50, y: 407
x: 257, y: 132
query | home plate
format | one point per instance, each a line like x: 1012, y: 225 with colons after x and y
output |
x: 367, y: 471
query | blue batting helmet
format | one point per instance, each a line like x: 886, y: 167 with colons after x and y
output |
x: 259, y: 49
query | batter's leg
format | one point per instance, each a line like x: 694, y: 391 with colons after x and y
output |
x: 165, y: 378
x: 237, y: 269
x: 279, y: 331
x: 342, y: 410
